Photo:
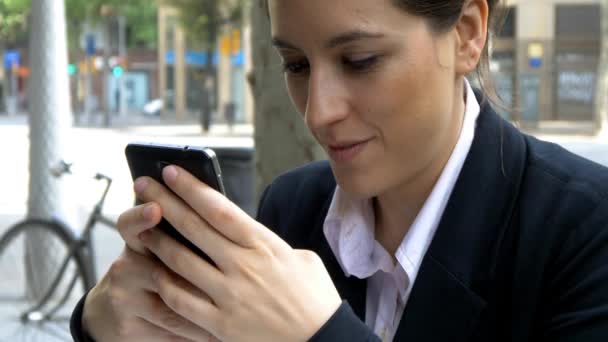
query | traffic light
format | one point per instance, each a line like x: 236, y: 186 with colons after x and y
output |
x: 118, y: 71
x: 71, y: 69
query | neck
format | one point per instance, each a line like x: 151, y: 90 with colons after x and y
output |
x: 396, y: 210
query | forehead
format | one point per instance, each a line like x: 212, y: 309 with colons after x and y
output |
x: 304, y: 18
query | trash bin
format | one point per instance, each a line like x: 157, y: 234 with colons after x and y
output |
x: 237, y: 166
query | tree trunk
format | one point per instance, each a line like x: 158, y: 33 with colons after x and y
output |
x: 50, y: 117
x: 602, y: 84
x: 282, y: 139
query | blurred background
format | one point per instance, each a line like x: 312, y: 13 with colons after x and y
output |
x: 79, y: 79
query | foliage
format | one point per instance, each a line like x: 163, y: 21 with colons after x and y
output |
x: 140, y: 15
x: 13, y: 20
x: 202, y: 19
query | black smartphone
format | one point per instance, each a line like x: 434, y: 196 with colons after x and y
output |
x: 149, y: 159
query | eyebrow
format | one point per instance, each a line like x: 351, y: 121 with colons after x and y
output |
x: 341, y: 39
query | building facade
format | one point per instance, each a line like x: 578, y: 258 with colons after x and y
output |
x: 545, y: 60
x: 182, y: 71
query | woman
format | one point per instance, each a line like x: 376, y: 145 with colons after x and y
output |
x: 434, y: 219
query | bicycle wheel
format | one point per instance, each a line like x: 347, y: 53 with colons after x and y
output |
x: 42, y: 280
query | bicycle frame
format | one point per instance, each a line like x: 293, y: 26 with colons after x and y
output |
x: 82, y: 245
x: 86, y: 239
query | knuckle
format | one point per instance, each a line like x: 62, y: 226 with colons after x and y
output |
x: 233, y: 297
x: 310, y: 257
x: 222, y: 212
x: 171, y: 320
x: 190, y: 223
x: 158, y: 279
x: 124, y: 220
x: 115, y: 297
x: 263, y: 256
x: 124, y: 328
x: 265, y: 253
x: 117, y: 270
x: 168, y: 296
x: 181, y: 263
x: 177, y: 261
x: 152, y: 190
x: 174, y: 303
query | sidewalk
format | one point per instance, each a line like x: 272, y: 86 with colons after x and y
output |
x: 148, y: 125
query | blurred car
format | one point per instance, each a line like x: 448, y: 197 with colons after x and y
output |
x: 153, y: 108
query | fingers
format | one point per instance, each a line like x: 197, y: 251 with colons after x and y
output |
x: 187, y: 221
x: 183, y: 262
x: 134, y: 271
x: 134, y: 295
x: 190, y: 302
x: 136, y: 220
x: 116, y: 307
x: 216, y: 209
x: 156, y: 312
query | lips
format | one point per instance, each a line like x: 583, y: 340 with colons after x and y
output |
x: 346, y: 151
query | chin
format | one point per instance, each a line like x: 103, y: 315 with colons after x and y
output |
x: 357, y: 183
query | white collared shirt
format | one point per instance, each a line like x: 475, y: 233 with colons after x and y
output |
x: 350, y: 231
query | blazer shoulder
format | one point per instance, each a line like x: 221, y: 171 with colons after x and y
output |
x: 296, y: 195
x: 573, y: 173
x: 565, y: 234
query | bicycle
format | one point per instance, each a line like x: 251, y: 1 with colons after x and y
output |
x: 38, y: 295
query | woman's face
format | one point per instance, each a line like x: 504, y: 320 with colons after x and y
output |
x: 376, y: 87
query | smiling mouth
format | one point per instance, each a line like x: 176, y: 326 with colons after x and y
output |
x: 347, y: 152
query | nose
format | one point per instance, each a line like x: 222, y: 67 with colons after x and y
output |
x: 327, y: 101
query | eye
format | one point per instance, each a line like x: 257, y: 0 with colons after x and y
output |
x: 296, y: 68
x: 360, y: 64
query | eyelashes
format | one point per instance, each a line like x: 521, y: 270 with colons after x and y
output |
x: 360, y: 65
x: 296, y: 68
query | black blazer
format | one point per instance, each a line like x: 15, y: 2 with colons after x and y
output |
x: 521, y: 253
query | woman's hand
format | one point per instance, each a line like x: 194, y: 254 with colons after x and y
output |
x: 261, y: 290
x: 125, y: 306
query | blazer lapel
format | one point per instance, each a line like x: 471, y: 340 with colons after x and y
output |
x: 448, y: 295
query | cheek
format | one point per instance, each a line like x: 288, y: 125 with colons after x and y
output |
x: 412, y: 121
x: 418, y: 120
x: 298, y: 92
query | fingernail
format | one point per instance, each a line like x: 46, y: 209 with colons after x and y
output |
x: 170, y: 173
x: 148, y: 211
x: 140, y: 185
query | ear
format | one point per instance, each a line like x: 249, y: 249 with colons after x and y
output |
x: 471, y: 31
